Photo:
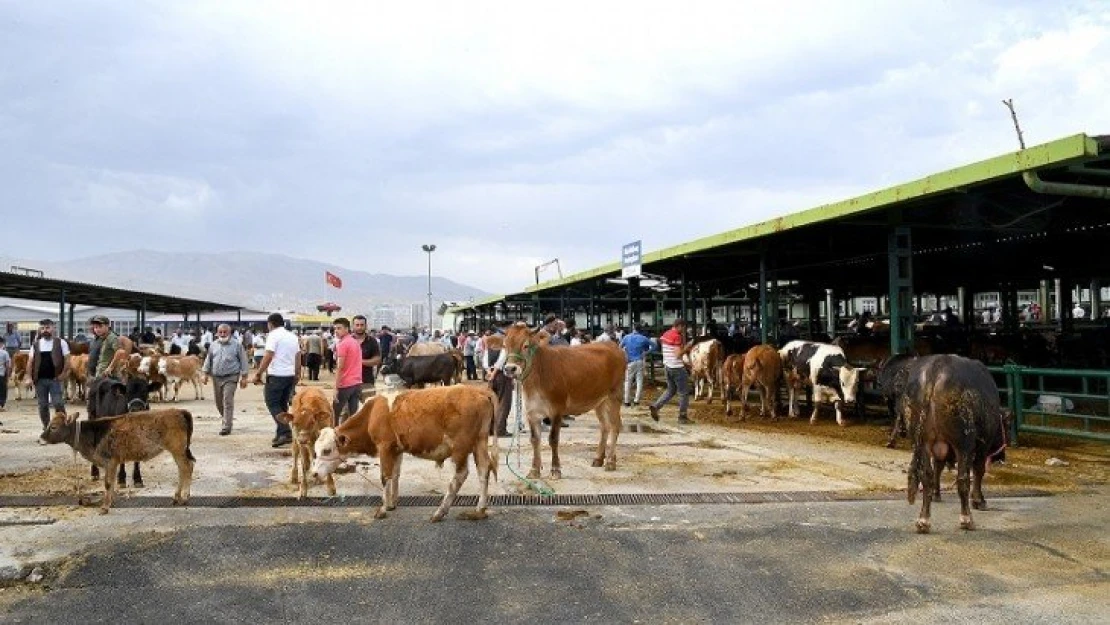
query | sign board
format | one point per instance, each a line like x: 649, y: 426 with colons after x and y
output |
x: 631, y: 260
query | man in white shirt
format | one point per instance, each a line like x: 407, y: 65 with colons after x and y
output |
x: 1078, y: 312
x: 282, y: 364
x: 181, y: 340
x: 48, y: 367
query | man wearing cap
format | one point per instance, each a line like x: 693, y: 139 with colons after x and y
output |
x: 49, y: 366
x: 107, y: 342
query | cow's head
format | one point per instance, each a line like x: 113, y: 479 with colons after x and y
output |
x: 145, y: 365
x: 307, y: 423
x: 849, y: 382
x: 60, y: 428
x: 328, y: 447
x: 521, y: 343
x: 137, y: 392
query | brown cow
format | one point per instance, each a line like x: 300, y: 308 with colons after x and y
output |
x: 706, y: 358
x: 77, y: 377
x: 434, y: 423
x: 558, y: 381
x: 178, y: 370
x: 311, y: 412
x: 20, y: 362
x: 762, y: 367
x: 138, y: 437
x: 732, y: 375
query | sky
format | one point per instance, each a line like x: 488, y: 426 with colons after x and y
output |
x: 507, y: 134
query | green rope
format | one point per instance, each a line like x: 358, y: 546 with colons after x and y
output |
x: 540, y: 488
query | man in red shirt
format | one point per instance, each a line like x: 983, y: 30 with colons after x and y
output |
x: 348, y: 371
x: 674, y: 347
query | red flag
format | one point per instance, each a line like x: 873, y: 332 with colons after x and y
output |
x: 333, y: 280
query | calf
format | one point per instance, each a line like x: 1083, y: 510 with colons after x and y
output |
x: 825, y: 369
x: 20, y: 374
x: 435, y: 424
x: 310, y: 413
x: 762, y: 367
x: 951, y: 406
x: 77, y: 377
x: 732, y: 375
x: 136, y: 437
x: 178, y: 370
x: 705, y: 360
x: 109, y: 398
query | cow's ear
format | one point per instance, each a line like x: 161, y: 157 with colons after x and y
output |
x: 342, y: 440
x: 285, y: 418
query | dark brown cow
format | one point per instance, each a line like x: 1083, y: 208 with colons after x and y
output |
x: 434, y: 423
x: 951, y: 406
x: 561, y: 380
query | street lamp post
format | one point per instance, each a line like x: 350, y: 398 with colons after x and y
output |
x: 429, y: 249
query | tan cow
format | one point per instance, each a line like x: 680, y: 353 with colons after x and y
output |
x: 181, y: 369
x: 427, y: 349
x: 706, y: 358
x: 77, y: 378
x: 310, y: 413
x: 433, y: 423
x: 20, y: 362
x: 560, y: 381
x: 762, y: 368
x: 150, y: 368
x: 732, y: 376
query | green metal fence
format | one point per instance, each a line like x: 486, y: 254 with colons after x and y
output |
x: 1071, y: 403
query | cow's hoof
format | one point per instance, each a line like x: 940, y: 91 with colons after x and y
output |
x: 610, y: 466
x: 556, y: 474
x: 922, y: 526
x: 966, y: 523
x: 380, y: 514
x: 179, y: 501
x: 979, y: 505
x: 331, y: 492
x: 597, y: 462
x: 842, y: 423
x: 437, y: 517
x: 103, y: 511
x: 473, y: 515
x: 891, y: 445
x: 534, y: 474
x: 137, y: 484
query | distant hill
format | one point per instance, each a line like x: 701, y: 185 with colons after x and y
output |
x: 250, y: 279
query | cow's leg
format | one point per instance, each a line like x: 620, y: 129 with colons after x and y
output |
x: 898, y: 425
x: 121, y: 475
x: 553, y: 442
x: 792, y: 402
x: 979, y: 469
x: 109, y: 485
x: 838, y: 404
x: 461, y: 471
x: 728, y: 399
x: 483, y: 464
x: 136, y: 476
x: 927, y: 479
x: 305, y: 462
x: 534, y: 429
x: 963, y: 486
x: 184, y: 476
x: 388, y: 459
x: 95, y: 473
x: 293, y: 477
x: 612, y: 432
x: 745, y: 388
x: 938, y: 471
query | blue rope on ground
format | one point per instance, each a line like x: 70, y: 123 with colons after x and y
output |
x: 541, y: 489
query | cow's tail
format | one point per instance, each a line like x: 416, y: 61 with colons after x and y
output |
x: 187, y: 417
x: 492, y: 449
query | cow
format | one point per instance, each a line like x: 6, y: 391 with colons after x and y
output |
x: 427, y: 349
x: 20, y: 363
x: 825, y: 369
x: 435, y: 424
x: 891, y: 383
x: 310, y: 413
x: 110, y: 397
x: 732, y: 375
x: 761, y: 367
x: 177, y: 370
x: 136, y: 437
x: 951, y: 406
x: 559, y: 380
x: 460, y: 361
x: 149, y: 368
x: 416, y: 371
x: 705, y: 370
x: 77, y: 377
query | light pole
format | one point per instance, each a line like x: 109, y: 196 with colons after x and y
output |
x: 429, y: 249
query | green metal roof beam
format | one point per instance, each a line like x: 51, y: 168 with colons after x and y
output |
x: 1061, y: 152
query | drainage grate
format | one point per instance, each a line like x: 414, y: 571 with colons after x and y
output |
x: 497, y: 501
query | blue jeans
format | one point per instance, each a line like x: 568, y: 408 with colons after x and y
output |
x: 278, y: 393
x: 46, y: 390
x: 676, y: 383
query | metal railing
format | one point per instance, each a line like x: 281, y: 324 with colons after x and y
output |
x: 1073, y: 403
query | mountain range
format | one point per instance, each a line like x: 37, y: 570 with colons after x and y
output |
x: 250, y: 279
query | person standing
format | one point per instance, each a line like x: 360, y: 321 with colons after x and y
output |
x: 674, y: 347
x: 106, y: 343
x: 385, y: 340
x: 371, y: 355
x: 282, y: 364
x: 469, y: 346
x: 635, y: 346
x: 348, y: 372
x: 5, y: 376
x: 49, y: 366
x: 314, y: 354
x: 12, y: 341
x: 226, y: 363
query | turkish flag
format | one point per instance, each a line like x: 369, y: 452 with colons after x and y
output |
x: 333, y: 280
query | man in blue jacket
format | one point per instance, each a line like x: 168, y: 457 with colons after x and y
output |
x: 635, y: 346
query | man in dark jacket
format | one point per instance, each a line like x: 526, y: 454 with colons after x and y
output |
x: 49, y: 366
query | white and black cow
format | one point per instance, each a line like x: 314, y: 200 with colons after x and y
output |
x: 825, y: 369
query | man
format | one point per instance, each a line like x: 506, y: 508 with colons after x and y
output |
x: 105, y: 344
x: 674, y: 347
x: 226, y: 363
x: 635, y: 346
x: 385, y: 339
x: 282, y: 364
x: 179, y: 344
x: 314, y: 354
x: 371, y: 355
x: 5, y: 376
x: 606, y: 335
x: 147, y: 337
x: 348, y: 371
x: 469, y: 346
x: 12, y: 341
x: 48, y: 367
x: 206, y: 338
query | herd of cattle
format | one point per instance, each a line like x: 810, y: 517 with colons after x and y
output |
x: 948, y: 403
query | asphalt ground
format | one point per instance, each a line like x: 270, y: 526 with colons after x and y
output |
x: 1033, y: 560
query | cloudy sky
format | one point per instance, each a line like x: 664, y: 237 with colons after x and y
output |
x: 508, y: 134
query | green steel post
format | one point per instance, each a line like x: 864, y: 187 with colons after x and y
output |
x: 900, y: 267
x: 764, y: 335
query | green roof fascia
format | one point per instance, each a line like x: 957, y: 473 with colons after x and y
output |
x: 493, y: 299
x: 1065, y: 151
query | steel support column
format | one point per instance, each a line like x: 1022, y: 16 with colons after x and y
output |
x: 900, y: 267
x: 764, y: 305
x: 62, y: 314
x: 71, y: 324
x: 830, y: 313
